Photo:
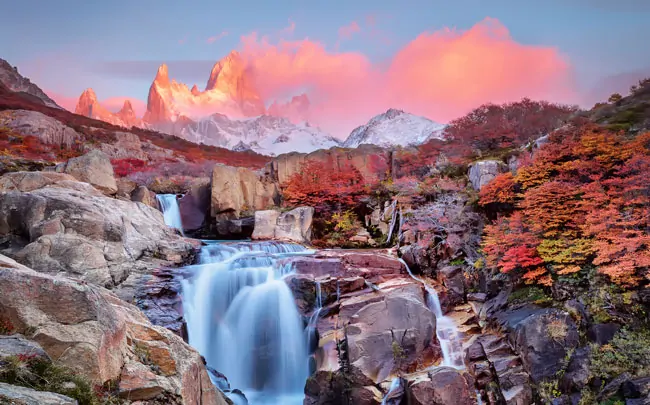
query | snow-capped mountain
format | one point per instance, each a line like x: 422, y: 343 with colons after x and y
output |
x: 395, y: 128
x: 264, y: 134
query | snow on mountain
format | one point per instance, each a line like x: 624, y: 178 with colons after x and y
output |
x: 264, y: 134
x: 395, y: 128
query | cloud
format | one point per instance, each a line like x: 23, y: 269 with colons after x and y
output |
x: 441, y: 75
x: 349, y: 30
x: 217, y: 37
x: 289, y: 30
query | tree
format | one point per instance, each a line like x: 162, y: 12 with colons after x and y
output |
x: 614, y: 98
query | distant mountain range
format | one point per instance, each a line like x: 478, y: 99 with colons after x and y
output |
x: 230, y: 113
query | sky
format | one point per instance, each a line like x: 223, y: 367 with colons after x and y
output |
x: 353, y: 58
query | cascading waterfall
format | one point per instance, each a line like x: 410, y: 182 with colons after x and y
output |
x: 242, y: 317
x: 446, y: 331
x: 171, y: 211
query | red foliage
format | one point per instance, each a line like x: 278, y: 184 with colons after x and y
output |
x: 492, y: 127
x: 124, y: 167
x: 586, y: 200
x: 501, y: 190
x: 324, y: 187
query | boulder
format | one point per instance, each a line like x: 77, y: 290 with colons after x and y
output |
x: 602, y: 333
x: 126, y: 146
x: 542, y: 337
x: 442, y: 386
x: 13, y: 345
x: 125, y: 188
x: 482, y: 172
x: 102, y: 338
x: 392, y: 334
x: 195, y: 205
x: 145, y: 196
x: 95, y: 168
x: 294, y: 225
x: 15, y: 395
x: 47, y: 129
x: 64, y: 228
x: 238, y: 190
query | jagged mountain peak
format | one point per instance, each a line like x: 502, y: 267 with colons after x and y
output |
x: 14, y: 81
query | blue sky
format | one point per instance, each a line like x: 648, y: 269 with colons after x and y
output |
x: 66, y: 46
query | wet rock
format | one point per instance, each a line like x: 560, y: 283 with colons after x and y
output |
x: 442, y: 386
x: 453, y: 278
x: 94, y: 168
x: 392, y: 334
x: 235, y: 228
x: 15, y: 395
x: 195, y: 205
x: 482, y: 172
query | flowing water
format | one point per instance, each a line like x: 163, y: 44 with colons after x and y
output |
x: 243, y: 318
x: 450, y: 344
x: 171, y: 212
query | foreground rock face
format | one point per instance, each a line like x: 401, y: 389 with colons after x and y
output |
x: 14, y: 395
x: 90, y: 330
x: 293, y: 226
x: 56, y: 225
x: 94, y: 168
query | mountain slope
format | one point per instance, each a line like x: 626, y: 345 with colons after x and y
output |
x: 394, y: 128
x: 264, y: 134
x: 14, y: 81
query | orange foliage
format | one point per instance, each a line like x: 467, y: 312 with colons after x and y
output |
x: 501, y: 190
x: 585, y: 200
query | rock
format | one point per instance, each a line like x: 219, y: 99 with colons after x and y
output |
x: 333, y: 388
x: 542, y: 337
x: 482, y: 172
x: 235, y: 228
x: 372, y: 161
x: 265, y: 223
x: 30, y: 181
x: 576, y: 375
x: 167, y: 185
x: 602, y: 333
x: 102, y: 338
x: 240, y: 190
x: 143, y: 195
x: 14, y: 345
x: 125, y: 188
x: 453, y: 278
x: 88, y: 236
x: 294, y: 225
x: 637, y: 388
x: 95, y: 168
x: 126, y: 146
x: 195, y: 205
x: 392, y: 334
x: 442, y: 386
x: 15, y: 395
x: 47, y: 129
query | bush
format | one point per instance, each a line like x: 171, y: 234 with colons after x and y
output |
x: 629, y: 351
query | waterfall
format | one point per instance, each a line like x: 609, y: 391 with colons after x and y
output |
x: 395, y: 392
x: 446, y: 331
x: 242, y: 317
x: 171, y: 212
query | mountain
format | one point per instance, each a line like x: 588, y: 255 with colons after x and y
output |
x: 89, y: 106
x: 395, y: 128
x: 265, y: 134
x: 14, y: 81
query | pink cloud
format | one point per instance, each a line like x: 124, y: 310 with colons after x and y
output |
x: 441, y: 75
x: 289, y: 30
x: 217, y: 37
x: 349, y: 30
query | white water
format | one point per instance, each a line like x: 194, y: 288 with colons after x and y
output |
x: 395, y: 384
x: 171, y: 212
x: 446, y: 331
x: 242, y: 317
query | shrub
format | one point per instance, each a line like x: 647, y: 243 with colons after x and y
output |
x: 629, y: 351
